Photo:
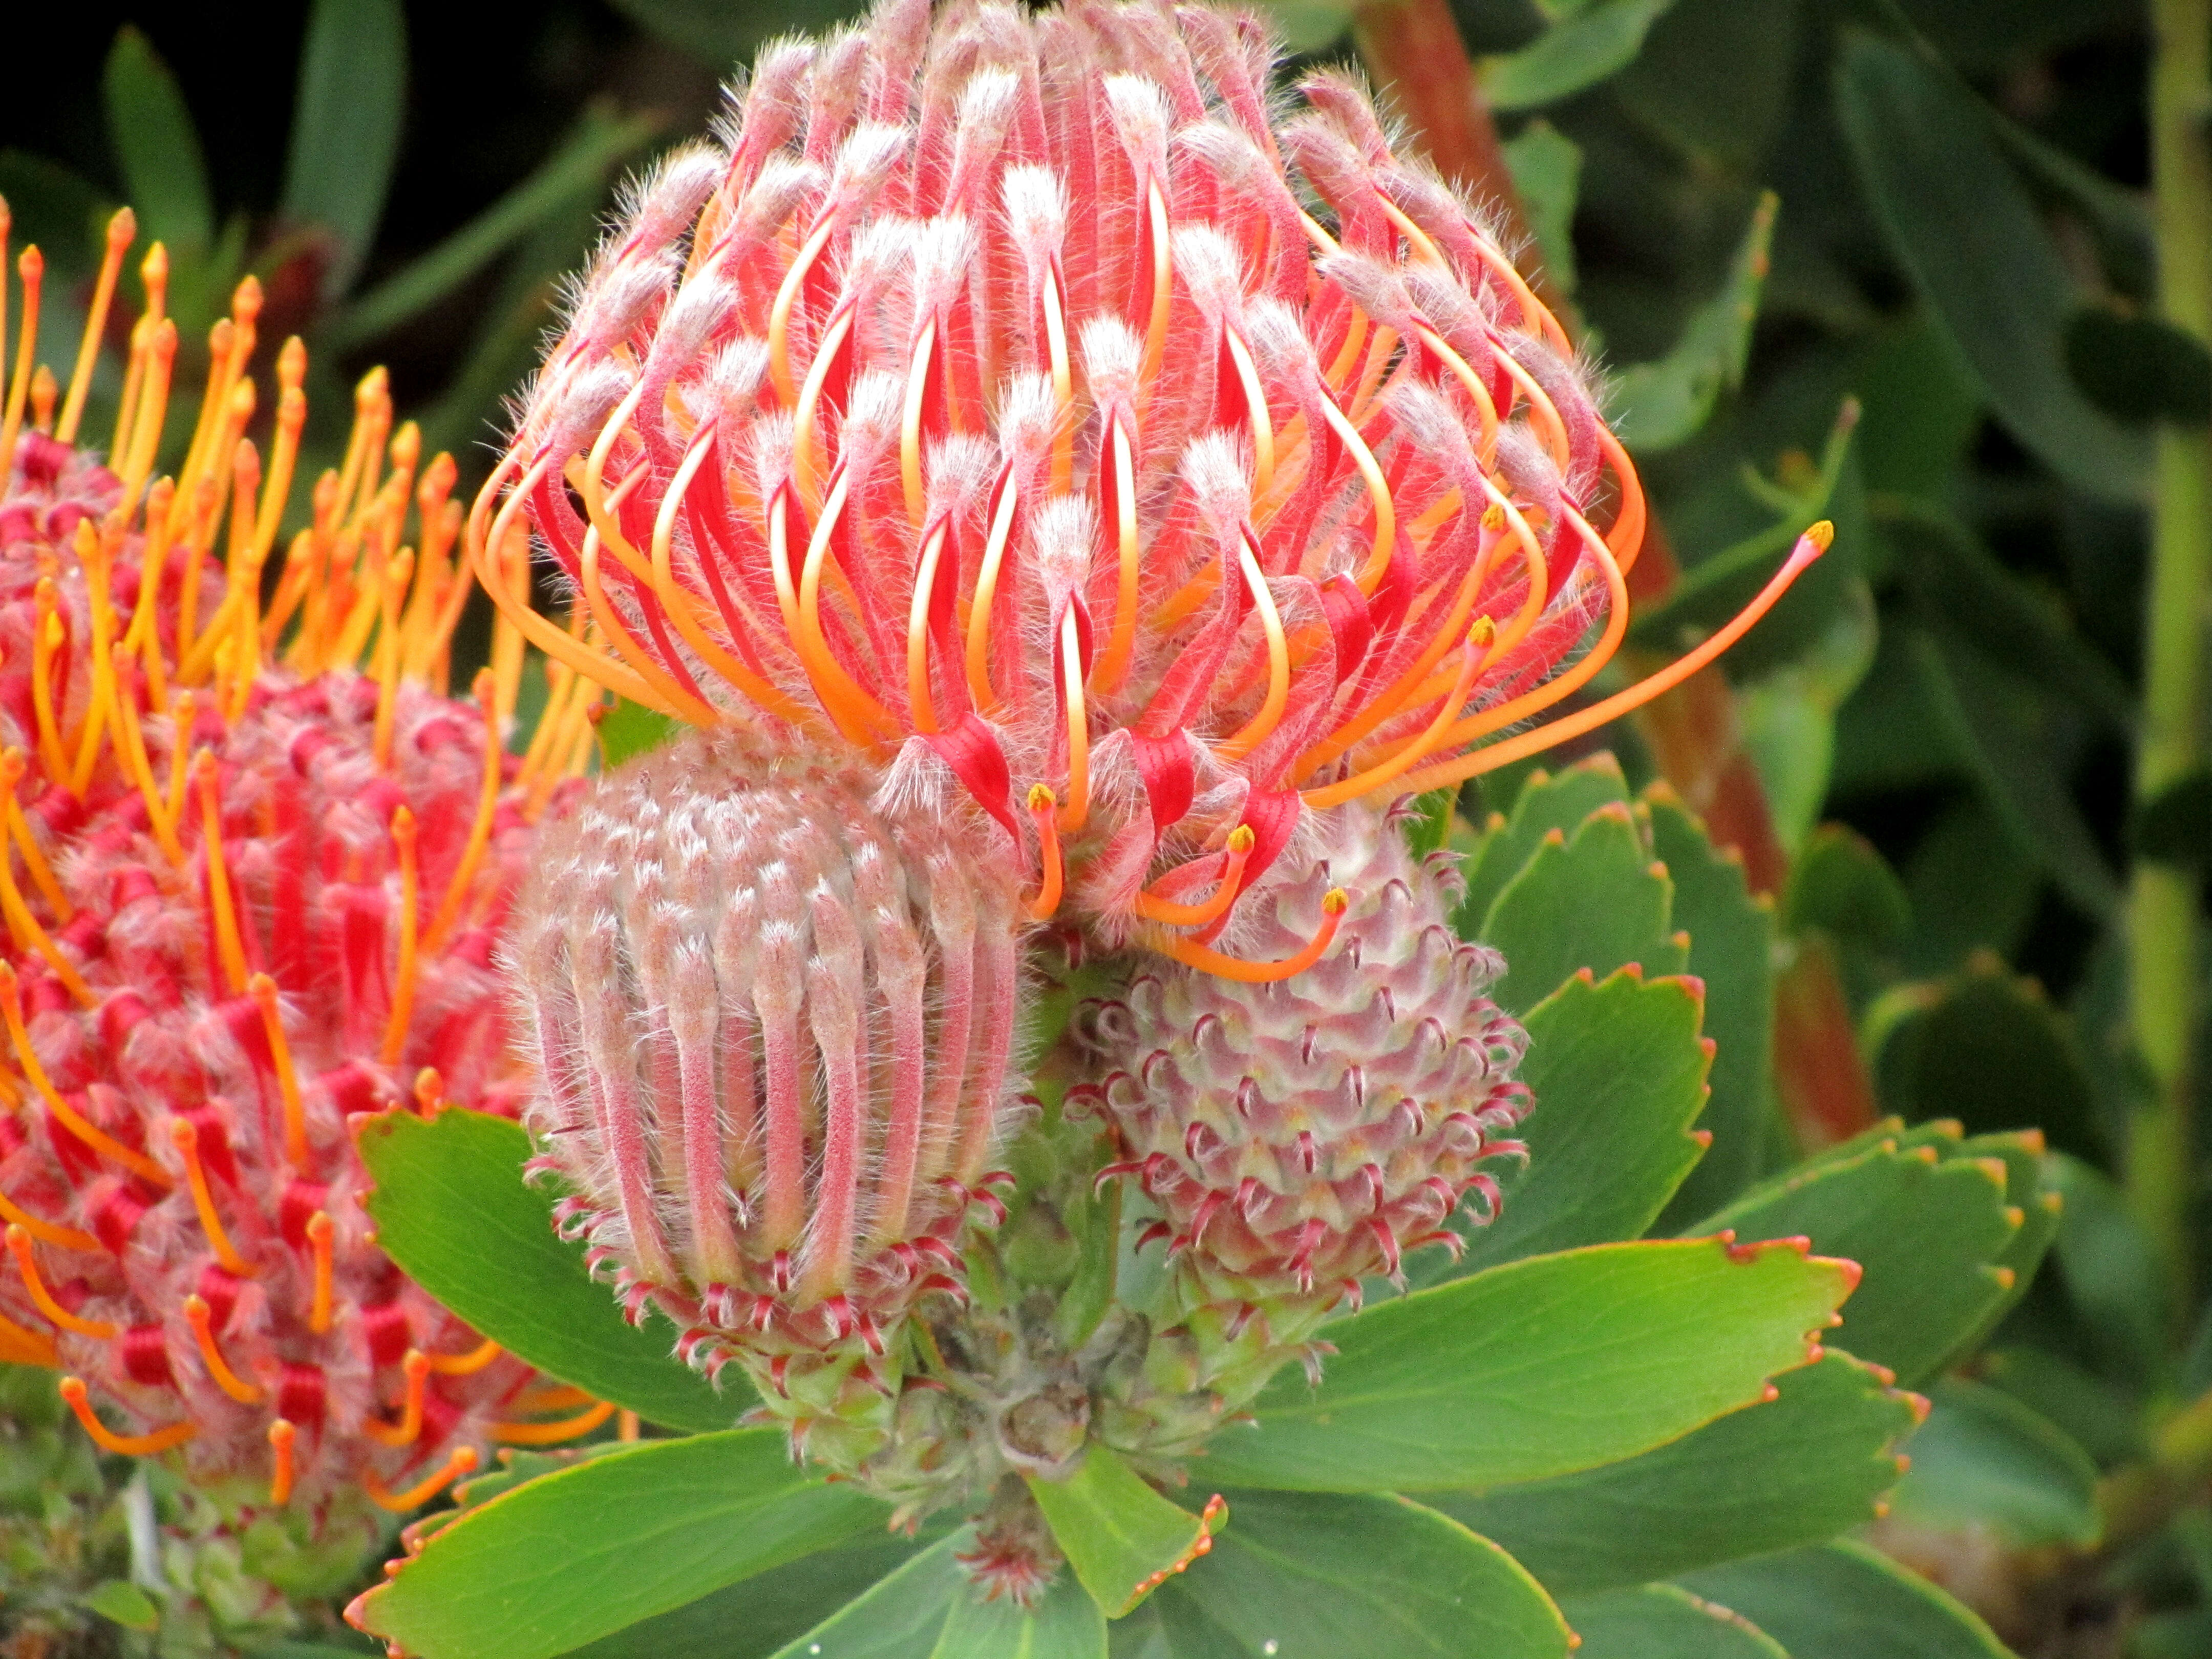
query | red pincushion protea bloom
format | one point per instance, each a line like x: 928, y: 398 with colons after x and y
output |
x: 247, y: 901
x: 1009, y: 402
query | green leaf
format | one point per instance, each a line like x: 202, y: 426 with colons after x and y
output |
x: 631, y: 729
x: 1545, y: 803
x: 2138, y: 369
x: 572, y: 1556
x: 122, y: 1602
x: 1797, y: 1469
x: 1546, y: 167
x: 1618, y: 1073
x: 1313, y: 1577
x: 1535, y: 1368
x: 2097, y: 1416
x: 1965, y: 229
x: 1595, y: 902
x: 1929, y: 1232
x: 1985, y: 1459
x: 1845, y: 1601
x: 1120, y: 1536
x: 754, y: 1617
x: 928, y: 1609
x: 345, y: 130
x: 1987, y: 1048
x: 1842, y: 886
x: 2111, y: 1275
x: 1591, y: 42
x: 720, y: 34
x: 156, y: 147
x: 2174, y: 826
x: 1732, y: 950
x: 1661, y: 1622
x: 583, y: 163
x: 451, y: 1208
x: 1657, y: 406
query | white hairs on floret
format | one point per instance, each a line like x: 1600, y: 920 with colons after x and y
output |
x: 1219, y: 474
x: 1141, y: 120
x: 1113, y: 359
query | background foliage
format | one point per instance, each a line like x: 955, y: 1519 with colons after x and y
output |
x: 1890, y: 264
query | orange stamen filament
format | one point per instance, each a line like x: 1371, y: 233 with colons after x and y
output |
x: 122, y: 231
x: 1113, y: 665
x: 1813, y: 542
x: 200, y: 1317
x: 46, y: 1232
x: 552, y: 1434
x: 280, y: 1437
x: 1378, y: 492
x: 917, y: 389
x: 1076, y: 812
x: 186, y: 1139
x: 122, y: 1445
x: 11, y: 1009
x: 1480, y: 638
x: 987, y: 589
x: 779, y: 317
x: 806, y: 460
x: 1153, y: 907
x: 853, y: 709
x: 463, y: 1364
x: 409, y: 1429
x: 1207, y: 961
x: 465, y: 872
x: 19, y: 919
x: 458, y: 1462
x: 263, y: 990
x: 1156, y: 327
x: 26, y: 1263
x: 923, y: 709
x: 319, y: 1230
x: 1279, y: 662
x: 1044, y: 810
x: 1256, y: 404
x: 227, y: 944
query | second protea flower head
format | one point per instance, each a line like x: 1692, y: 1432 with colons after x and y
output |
x: 773, y: 1026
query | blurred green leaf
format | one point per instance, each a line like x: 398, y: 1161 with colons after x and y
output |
x: 581, y: 164
x: 754, y: 1617
x: 122, y: 1602
x: 1546, y: 167
x: 157, y: 147
x: 722, y: 36
x: 1841, y: 885
x: 1661, y: 1622
x: 1795, y: 1469
x: 1921, y: 408
x: 1594, y: 900
x: 929, y: 1609
x: 1547, y: 802
x: 1319, y: 1577
x: 1588, y: 42
x: 345, y: 127
x: 2096, y: 1417
x: 1538, y: 1368
x: 1927, y: 1227
x: 1732, y: 952
x: 1311, y: 25
x: 2111, y: 1275
x: 1659, y: 404
x: 1982, y: 1459
x: 2138, y: 369
x: 629, y: 728
x: 1618, y: 1073
x: 1714, y: 78
x: 1118, y: 1533
x: 1972, y: 887
x: 1965, y: 229
x: 577, y: 1555
x: 60, y: 210
x: 1990, y: 717
x: 452, y: 1209
x: 1845, y: 1601
x: 2175, y: 825
x: 1987, y: 1048
x: 1788, y: 713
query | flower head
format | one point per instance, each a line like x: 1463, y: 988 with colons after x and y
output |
x: 1022, y: 404
x: 250, y: 893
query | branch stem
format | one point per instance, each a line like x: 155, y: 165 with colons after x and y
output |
x: 2164, y: 971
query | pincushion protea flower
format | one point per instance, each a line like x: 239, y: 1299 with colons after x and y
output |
x: 1299, y: 1137
x: 250, y: 893
x: 1032, y: 444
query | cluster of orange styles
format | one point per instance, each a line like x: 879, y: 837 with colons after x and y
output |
x: 255, y: 860
x: 1057, y: 482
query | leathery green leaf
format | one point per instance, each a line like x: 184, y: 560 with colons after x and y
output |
x: 571, y: 1557
x: 1313, y: 1577
x: 1122, y: 1537
x: 157, y: 146
x: 1930, y: 1231
x: 1665, y: 403
x: 1663, y: 1622
x: 928, y: 1609
x: 1538, y: 1368
x: 1591, y: 42
x: 1799, y: 1468
x: 1845, y: 1601
x: 1590, y: 899
x: 1547, y: 802
x: 1985, y: 1459
x: 1618, y: 1071
x: 451, y: 1208
x: 345, y: 134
